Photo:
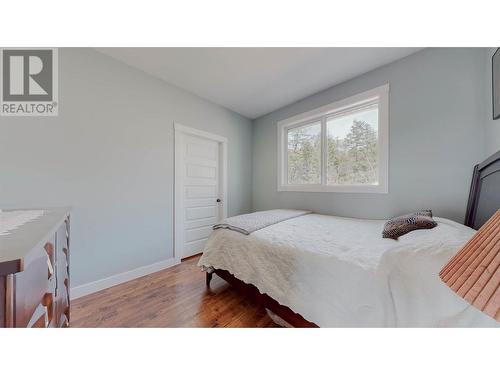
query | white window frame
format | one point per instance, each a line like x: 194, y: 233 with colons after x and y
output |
x: 379, y: 95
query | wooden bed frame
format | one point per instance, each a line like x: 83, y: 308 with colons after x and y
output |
x: 484, y: 200
x: 484, y: 195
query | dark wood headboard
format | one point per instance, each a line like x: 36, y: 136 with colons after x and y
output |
x: 484, y: 196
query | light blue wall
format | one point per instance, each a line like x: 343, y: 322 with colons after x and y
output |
x: 109, y: 154
x: 437, y: 134
x: 492, y: 126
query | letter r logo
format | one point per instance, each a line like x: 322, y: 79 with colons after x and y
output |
x: 27, y: 75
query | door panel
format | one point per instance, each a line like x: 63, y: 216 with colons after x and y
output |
x: 199, y: 148
x: 202, y: 171
x: 201, y: 192
x: 202, y: 202
x: 194, y: 181
x: 198, y: 170
x: 200, y: 213
x: 198, y: 233
x: 195, y: 247
x: 192, y: 224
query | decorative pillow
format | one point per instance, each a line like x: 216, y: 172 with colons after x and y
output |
x: 401, y: 225
x: 422, y: 213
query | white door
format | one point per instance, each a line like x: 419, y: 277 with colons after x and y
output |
x: 199, y: 188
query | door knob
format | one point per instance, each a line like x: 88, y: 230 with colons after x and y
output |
x: 218, y: 200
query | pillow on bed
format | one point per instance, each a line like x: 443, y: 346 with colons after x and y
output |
x: 401, y: 225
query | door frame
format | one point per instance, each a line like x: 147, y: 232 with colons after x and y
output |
x: 179, y: 181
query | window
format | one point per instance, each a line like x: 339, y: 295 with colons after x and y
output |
x: 304, y: 154
x: 341, y: 147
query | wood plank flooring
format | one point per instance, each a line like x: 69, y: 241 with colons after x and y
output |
x: 175, y: 297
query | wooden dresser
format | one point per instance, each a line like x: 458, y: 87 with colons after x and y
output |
x: 34, y: 268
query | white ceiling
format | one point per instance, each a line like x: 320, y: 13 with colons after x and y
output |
x: 256, y: 81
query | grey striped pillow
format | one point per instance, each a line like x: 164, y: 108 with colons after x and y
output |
x: 401, y: 225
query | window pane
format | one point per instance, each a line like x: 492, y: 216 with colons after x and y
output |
x: 353, y: 148
x: 304, y: 154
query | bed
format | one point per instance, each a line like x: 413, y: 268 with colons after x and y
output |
x: 319, y: 270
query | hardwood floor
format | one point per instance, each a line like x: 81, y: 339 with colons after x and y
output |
x: 176, y: 297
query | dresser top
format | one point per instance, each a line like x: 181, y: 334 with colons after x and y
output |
x: 23, y: 230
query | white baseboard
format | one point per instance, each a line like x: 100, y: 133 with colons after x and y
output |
x: 108, y: 282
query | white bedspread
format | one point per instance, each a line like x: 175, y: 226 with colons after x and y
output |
x: 340, y: 272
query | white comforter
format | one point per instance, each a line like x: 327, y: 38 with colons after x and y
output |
x: 340, y: 272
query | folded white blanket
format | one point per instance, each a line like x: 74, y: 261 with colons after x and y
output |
x: 250, y: 223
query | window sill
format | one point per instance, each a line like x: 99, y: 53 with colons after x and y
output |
x: 376, y: 189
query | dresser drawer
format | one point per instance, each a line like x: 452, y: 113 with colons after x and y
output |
x: 30, y: 288
x: 62, y: 285
x: 34, y: 288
